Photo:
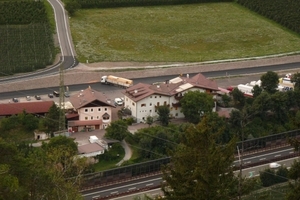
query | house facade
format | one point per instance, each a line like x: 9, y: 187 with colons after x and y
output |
x: 143, y: 99
x: 93, y: 110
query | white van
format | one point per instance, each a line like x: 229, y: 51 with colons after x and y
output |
x: 274, y: 165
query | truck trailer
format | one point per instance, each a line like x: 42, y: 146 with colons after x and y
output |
x: 114, y: 80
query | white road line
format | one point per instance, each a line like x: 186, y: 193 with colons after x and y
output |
x: 262, y: 159
x: 291, y: 152
x: 132, y: 188
x: 277, y: 155
x: 94, y: 197
x: 124, y: 186
x: 114, y: 192
x: 149, y: 184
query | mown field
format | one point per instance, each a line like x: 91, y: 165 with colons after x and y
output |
x: 183, y: 33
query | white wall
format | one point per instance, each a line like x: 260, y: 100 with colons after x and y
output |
x: 94, y: 113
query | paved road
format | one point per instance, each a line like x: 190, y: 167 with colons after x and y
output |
x: 156, y: 180
x: 67, y: 59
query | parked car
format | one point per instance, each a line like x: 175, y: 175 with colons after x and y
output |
x: 15, y: 100
x: 118, y: 102
x: 37, y: 97
x: 55, y: 93
x: 28, y: 98
x: 50, y: 95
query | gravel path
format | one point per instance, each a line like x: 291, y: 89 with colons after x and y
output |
x: 87, y: 73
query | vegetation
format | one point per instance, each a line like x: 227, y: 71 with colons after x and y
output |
x: 26, y: 37
x: 283, y: 12
x: 163, y: 115
x: 196, y: 104
x: 117, y: 130
x: 185, y: 33
x: 201, y: 166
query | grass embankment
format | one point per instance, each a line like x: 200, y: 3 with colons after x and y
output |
x: 182, y: 33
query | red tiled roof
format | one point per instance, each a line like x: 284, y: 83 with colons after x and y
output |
x: 88, y: 96
x: 141, y: 90
x: 72, y: 115
x: 33, y: 107
x: 84, y: 123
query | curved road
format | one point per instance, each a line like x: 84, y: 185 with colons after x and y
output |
x: 68, y: 55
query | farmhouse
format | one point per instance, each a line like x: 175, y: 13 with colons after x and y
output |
x: 92, y: 110
x: 39, y: 108
x: 143, y: 99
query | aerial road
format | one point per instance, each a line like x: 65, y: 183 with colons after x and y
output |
x: 68, y: 55
x: 155, y: 181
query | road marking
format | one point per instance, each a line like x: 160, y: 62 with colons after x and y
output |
x: 132, y: 188
x: 94, y: 197
x: 262, y: 159
x: 250, y: 158
x: 149, y: 184
x: 248, y: 162
x: 291, y: 152
x: 89, y: 194
x: 277, y: 155
x: 114, y: 192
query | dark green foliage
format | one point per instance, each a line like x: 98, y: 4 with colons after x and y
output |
x: 51, y: 121
x: 117, y: 130
x: 283, y: 12
x: 112, y: 154
x: 270, y: 177
x: 26, y: 37
x: 196, y: 104
x: 163, y: 115
x: 155, y: 142
x: 72, y: 6
x: 131, y: 3
x: 238, y: 98
x: 269, y: 82
x: 201, y: 167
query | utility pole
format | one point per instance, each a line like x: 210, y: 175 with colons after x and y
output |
x: 241, y: 163
x: 62, y: 118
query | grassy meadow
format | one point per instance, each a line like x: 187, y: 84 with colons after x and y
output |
x: 182, y: 33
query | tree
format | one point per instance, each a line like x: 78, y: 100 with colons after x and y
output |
x: 149, y: 120
x: 51, y: 120
x: 269, y: 82
x: 267, y: 177
x: 163, y: 115
x: 296, y: 80
x: 117, y: 130
x: 201, y: 167
x: 256, y: 91
x: 238, y: 98
x: 62, y: 142
x: 294, y: 188
x: 226, y: 100
x: 72, y: 6
x: 278, y: 105
x: 196, y: 104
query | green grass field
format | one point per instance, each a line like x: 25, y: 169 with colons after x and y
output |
x: 183, y: 33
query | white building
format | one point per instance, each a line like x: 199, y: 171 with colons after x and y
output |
x: 93, y: 110
x: 142, y: 99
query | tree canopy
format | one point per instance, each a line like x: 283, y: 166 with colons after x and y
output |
x: 117, y: 130
x: 196, y: 104
x: 269, y: 82
x: 201, y: 166
x: 163, y: 115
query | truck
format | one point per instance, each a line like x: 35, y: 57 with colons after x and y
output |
x: 246, y: 89
x: 118, y: 81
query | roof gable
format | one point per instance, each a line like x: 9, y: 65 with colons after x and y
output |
x: 90, y: 97
x: 33, y: 107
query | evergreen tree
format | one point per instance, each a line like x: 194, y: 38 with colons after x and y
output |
x: 201, y: 167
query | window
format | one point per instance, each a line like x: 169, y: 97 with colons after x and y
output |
x: 159, y: 96
x: 105, y: 109
x: 154, y: 96
x: 86, y: 118
x: 92, y: 110
x: 150, y: 104
x: 157, y: 103
x: 97, y: 117
x: 133, y: 104
x: 99, y: 109
x: 150, y: 96
x: 176, y: 114
x: 86, y: 110
x: 165, y: 103
x: 92, y: 117
x: 143, y: 105
x: 150, y: 110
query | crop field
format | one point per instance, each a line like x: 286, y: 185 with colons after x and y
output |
x: 25, y: 48
x: 183, y: 33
